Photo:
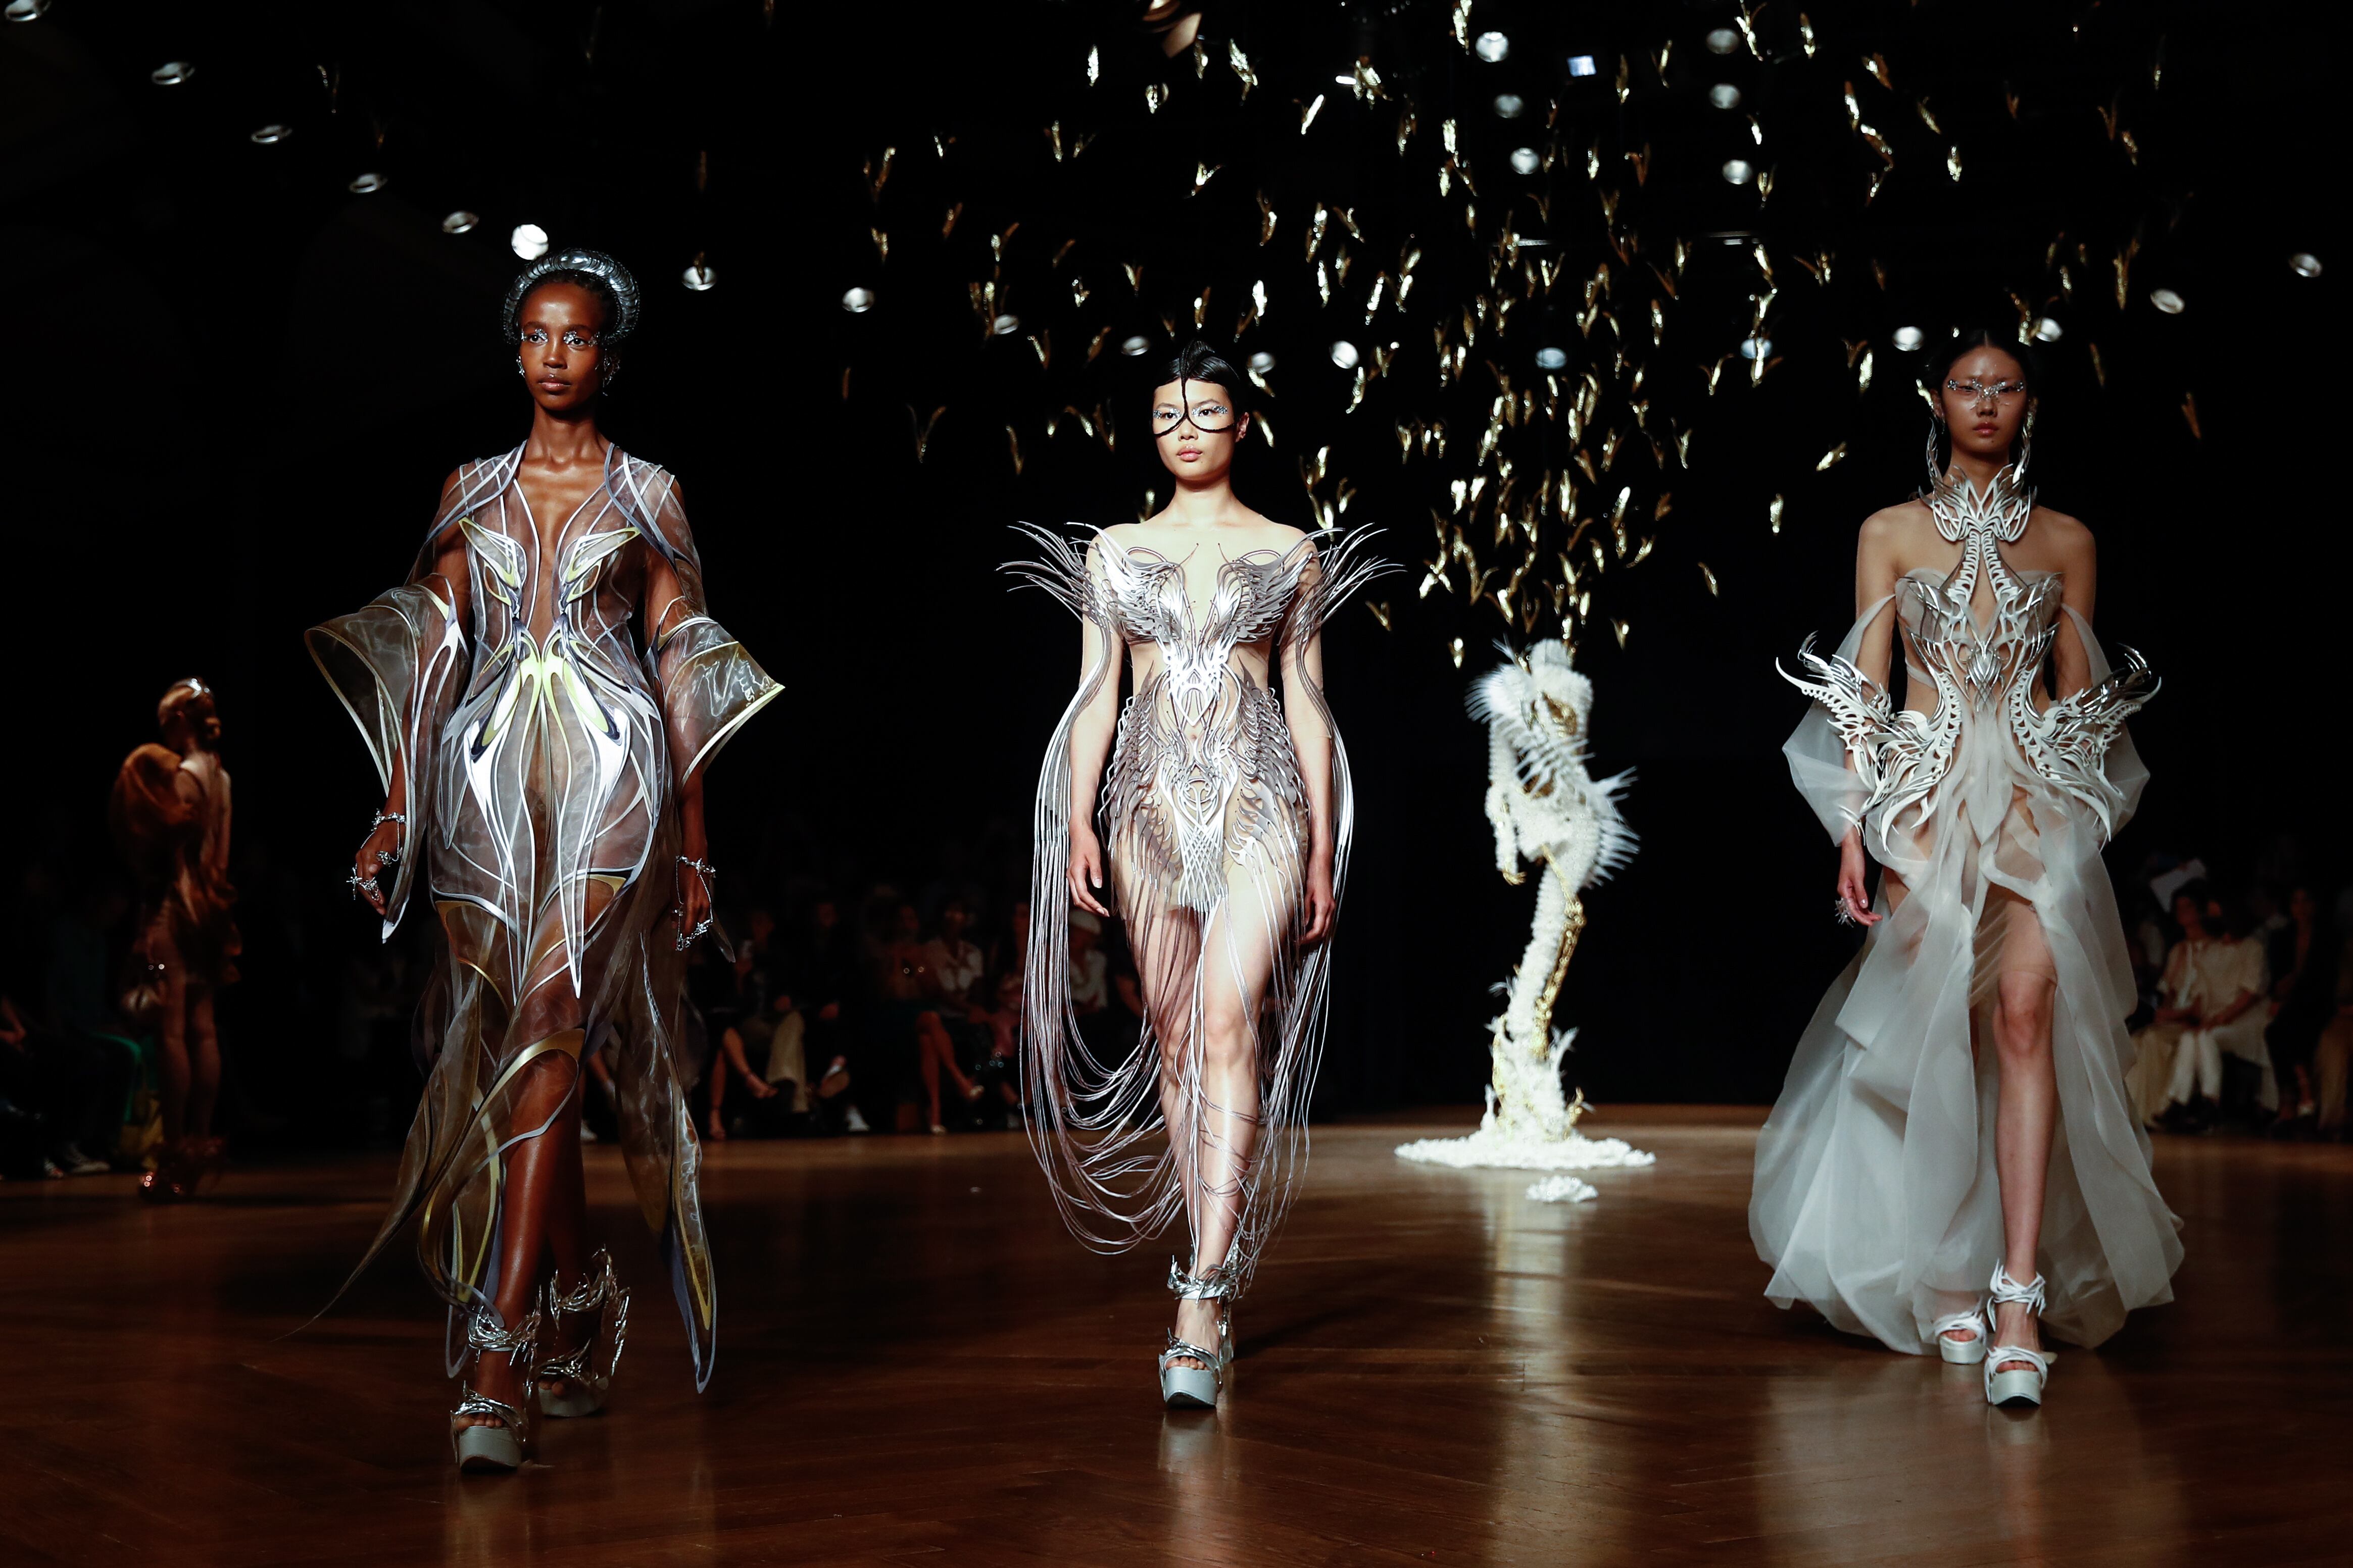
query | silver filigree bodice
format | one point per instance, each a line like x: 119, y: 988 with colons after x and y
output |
x: 1987, y: 675
x: 1204, y: 764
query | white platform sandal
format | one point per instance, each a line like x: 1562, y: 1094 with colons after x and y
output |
x: 585, y: 1375
x: 2019, y: 1385
x: 1962, y: 1352
x: 481, y: 1448
x: 1195, y: 1387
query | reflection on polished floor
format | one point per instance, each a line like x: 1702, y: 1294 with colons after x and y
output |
x: 917, y: 1365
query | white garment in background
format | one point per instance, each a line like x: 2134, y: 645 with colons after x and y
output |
x: 2217, y: 970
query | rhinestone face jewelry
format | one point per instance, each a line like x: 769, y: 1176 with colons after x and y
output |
x: 1978, y: 392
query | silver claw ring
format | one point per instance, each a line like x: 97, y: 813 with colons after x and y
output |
x: 1845, y: 915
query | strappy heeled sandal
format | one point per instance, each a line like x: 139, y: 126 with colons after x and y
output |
x: 2022, y: 1385
x: 588, y: 1369
x: 1195, y: 1387
x: 480, y: 1448
x: 1962, y: 1352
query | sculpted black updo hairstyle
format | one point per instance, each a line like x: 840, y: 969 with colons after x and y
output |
x: 1197, y: 361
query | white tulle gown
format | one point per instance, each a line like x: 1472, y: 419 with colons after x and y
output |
x: 1877, y: 1197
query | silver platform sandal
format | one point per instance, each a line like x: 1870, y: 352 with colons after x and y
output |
x: 1195, y: 1387
x: 1962, y: 1352
x: 588, y: 1369
x: 482, y: 1449
x: 2019, y: 1385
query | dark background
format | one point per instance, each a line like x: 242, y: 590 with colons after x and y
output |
x: 233, y: 386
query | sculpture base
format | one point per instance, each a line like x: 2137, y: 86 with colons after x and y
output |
x: 1494, y: 1148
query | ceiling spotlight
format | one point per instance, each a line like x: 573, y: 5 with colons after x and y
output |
x: 26, y: 10
x: 1492, y: 48
x: 1551, y: 359
x: 2047, y: 331
x: 1136, y: 347
x: 1724, y: 95
x: 2307, y: 265
x: 1722, y: 41
x: 270, y: 135
x: 1508, y: 105
x: 1261, y: 362
x: 1737, y: 171
x: 2166, y: 300
x: 857, y: 301
x: 1581, y: 65
x: 698, y: 275
x: 459, y: 222
x: 1756, y: 348
x: 529, y: 240
x: 1343, y: 79
x: 173, y: 73
x: 1525, y: 159
x: 1004, y: 326
x: 1909, y: 339
x: 365, y: 184
x: 1344, y: 355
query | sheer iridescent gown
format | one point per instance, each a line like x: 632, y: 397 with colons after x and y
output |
x: 1877, y: 1197
x: 1203, y: 818
x: 544, y: 740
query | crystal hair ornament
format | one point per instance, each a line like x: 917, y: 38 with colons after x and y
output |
x: 627, y: 299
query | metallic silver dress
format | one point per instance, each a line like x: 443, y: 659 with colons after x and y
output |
x: 1876, y: 1196
x: 541, y: 766
x: 1204, y: 822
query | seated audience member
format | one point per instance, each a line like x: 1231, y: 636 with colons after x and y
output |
x: 2215, y: 984
x: 999, y: 1070
x: 916, y: 997
x: 956, y: 961
x: 2332, y: 1055
x: 73, y: 1086
x: 2304, y: 961
x: 819, y: 973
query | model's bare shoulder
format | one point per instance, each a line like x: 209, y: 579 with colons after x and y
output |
x: 2063, y: 534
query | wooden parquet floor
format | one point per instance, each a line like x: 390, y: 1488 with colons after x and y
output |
x: 918, y: 1366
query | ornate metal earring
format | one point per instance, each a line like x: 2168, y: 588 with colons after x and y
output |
x: 2025, y: 448
x: 1935, y: 427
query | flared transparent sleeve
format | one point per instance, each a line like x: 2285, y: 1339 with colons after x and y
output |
x: 709, y: 683
x: 2127, y: 776
x: 1819, y: 762
x: 398, y: 666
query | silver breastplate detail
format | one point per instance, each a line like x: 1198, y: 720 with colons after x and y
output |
x: 1984, y: 674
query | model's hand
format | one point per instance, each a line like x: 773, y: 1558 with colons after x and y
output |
x: 1086, y: 868
x: 1320, y: 905
x: 693, y: 905
x: 1852, y: 891
x: 371, y: 866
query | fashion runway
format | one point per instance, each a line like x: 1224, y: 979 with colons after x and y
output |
x: 917, y: 1365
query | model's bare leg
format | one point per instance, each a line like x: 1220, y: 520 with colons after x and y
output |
x: 546, y: 1207
x: 1238, y: 963
x: 171, y: 1042
x: 202, y: 1062
x: 2025, y: 1113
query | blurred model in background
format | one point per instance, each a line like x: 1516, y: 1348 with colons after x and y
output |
x: 170, y: 812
